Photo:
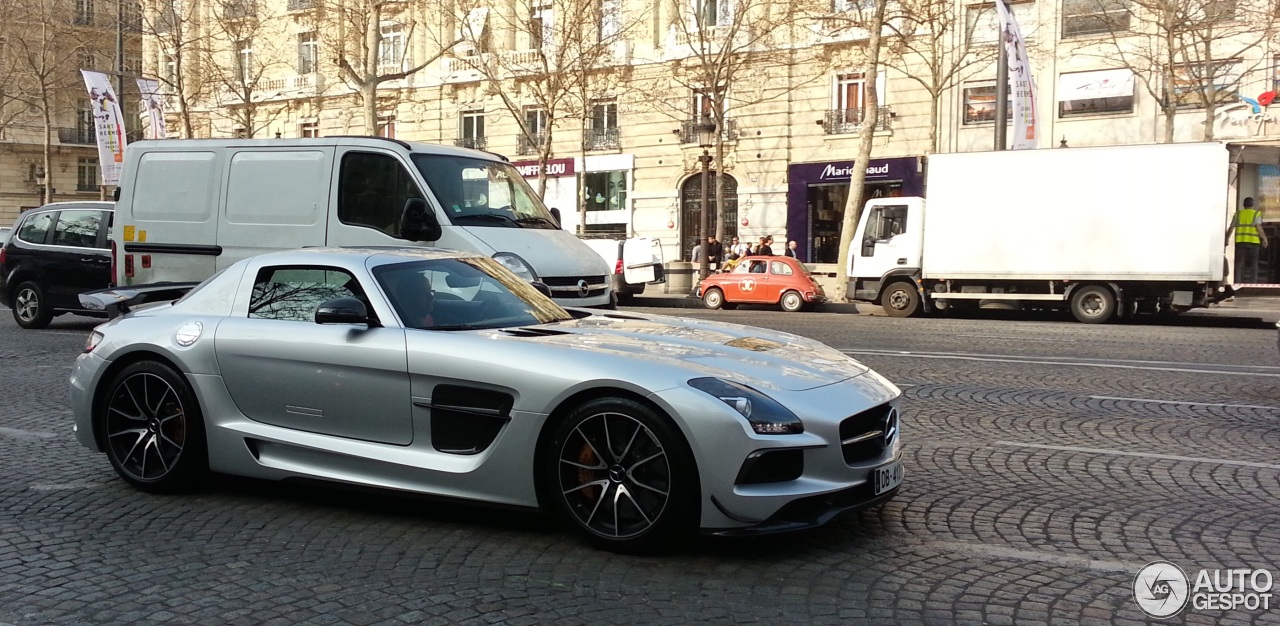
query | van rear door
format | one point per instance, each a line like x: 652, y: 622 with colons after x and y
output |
x: 277, y: 199
x: 642, y: 261
x: 167, y: 217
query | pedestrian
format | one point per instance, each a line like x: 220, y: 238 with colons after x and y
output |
x: 1250, y: 238
x: 715, y: 250
x: 741, y: 248
x: 696, y: 255
x: 793, y: 251
x: 766, y: 247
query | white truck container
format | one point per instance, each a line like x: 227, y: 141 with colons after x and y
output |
x: 1104, y: 231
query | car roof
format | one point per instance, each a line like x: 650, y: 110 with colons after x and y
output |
x: 75, y: 204
x: 357, y: 256
x: 414, y: 147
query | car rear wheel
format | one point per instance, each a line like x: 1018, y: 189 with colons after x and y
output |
x: 623, y: 476
x: 30, y: 307
x: 151, y: 426
x: 791, y: 302
x: 713, y: 298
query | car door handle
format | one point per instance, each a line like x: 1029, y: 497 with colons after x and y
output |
x: 89, y: 259
x: 902, y: 261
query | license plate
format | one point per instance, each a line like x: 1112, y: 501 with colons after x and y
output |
x: 888, y: 477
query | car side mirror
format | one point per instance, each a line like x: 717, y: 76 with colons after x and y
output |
x: 555, y: 213
x: 342, y: 311
x: 868, y: 247
x: 542, y: 288
x: 418, y: 222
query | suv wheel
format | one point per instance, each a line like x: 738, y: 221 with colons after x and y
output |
x: 30, y: 309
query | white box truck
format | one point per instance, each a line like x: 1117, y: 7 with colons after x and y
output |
x: 190, y: 207
x: 1102, y: 231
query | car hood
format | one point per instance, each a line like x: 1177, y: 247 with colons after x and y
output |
x: 764, y: 359
x: 551, y: 252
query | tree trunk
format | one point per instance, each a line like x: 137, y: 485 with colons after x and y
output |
x: 934, y: 112
x: 866, y: 135
x: 369, y: 81
x: 1170, y: 114
x: 719, y: 173
x: 47, y: 192
x: 582, y: 176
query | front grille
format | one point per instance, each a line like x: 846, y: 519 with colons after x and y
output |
x: 866, y: 436
x: 569, y: 287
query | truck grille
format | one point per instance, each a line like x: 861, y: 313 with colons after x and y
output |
x: 573, y: 286
x: 866, y: 436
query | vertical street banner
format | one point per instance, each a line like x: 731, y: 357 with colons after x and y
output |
x: 153, y: 107
x: 108, y: 121
x: 1022, y: 88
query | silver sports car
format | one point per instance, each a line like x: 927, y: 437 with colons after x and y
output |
x: 442, y: 373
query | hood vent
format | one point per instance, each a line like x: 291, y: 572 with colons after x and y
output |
x: 533, y: 332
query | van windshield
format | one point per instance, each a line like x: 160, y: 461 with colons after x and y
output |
x: 477, y: 192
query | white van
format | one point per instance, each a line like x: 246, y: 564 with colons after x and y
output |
x: 191, y: 207
x: 636, y: 261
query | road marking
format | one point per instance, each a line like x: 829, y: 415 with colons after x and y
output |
x: 1013, y: 337
x: 1145, y: 455
x: 1265, y: 371
x: 64, y: 486
x: 1181, y: 402
x: 25, y: 435
x: 1005, y: 552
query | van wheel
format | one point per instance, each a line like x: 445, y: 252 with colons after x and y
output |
x: 791, y: 302
x: 625, y: 298
x: 901, y: 299
x: 713, y: 298
x: 30, y: 307
x: 1093, y: 304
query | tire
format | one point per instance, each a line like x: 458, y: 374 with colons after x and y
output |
x: 729, y: 306
x: 30, y: 306
x: 791, y: 301
x: 625, y: 299
x: 1093, y: 304
x: 650, y: 479
x: 713, y: 298
x: 152, y: 429
x: 901, y: 299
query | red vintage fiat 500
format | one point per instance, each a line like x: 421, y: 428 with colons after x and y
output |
x: 763, y: 280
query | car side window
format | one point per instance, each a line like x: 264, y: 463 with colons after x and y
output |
x: 757, y: 267
x: 78, y: 229
x: 36, y: 228
x: 780, y: 268
x: 372, y: 190
x: 294, y: 293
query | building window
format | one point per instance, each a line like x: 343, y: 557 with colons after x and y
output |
x: 980, y: 103
x: 87, y: 176
x: 605, y: 191
x: 711, y: 13
x: 1095, y: 93
x: 244, y: 60
x: 307, y: 52
x: 84, y: 12
x: 849, y: 102
x: 610, y: 19
x: 704, y: 101
x: 309, y: 130
x: 169, y: 70
x: 1191, y: 83
x: 471, y: 130
x: 88, y: 62
x: 1093, y: 17
x: 541, y: 29
x: 535, y: 122
x: 603, y: 133
x: 387, y: 126
x: 133, y: 65
x: 85, y: 129
x: 984, y: 23
x: 391, y: 45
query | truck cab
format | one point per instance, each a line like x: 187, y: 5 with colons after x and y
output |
x: 889, y: 241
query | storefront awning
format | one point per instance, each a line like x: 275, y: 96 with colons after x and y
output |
x: 1099, y: 84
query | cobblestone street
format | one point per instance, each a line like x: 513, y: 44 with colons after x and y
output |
x: 1047, y: 461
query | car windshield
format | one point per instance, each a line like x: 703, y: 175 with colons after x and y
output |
x: 477, y: 192
x: 463, y: 294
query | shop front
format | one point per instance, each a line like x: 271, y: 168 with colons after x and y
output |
x: 817, y: 192
x: 605, y: 185
x: 562, y: 186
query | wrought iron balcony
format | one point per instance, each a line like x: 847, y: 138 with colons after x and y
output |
x: 602, y: 139
x: 239, y: 9
x: 79, y: 135
x: 844, y: 121
x: 689, y: 129
x: 475, y: 143
x: 531, y: 146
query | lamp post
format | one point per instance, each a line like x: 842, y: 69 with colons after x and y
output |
x: 706, y: 139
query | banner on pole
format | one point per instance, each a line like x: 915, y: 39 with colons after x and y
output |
x: 1020, y: 81
x: 153, y: 105
x: 108, y: 121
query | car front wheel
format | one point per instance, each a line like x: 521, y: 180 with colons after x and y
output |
x: 152, y: 429
x: 713, y: 298
x: 623, y: 476
x: 30, y: 307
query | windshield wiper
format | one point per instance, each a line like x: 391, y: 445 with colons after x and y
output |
x: 537, y: 220
x: 491, y: 217
x: 455, y: 327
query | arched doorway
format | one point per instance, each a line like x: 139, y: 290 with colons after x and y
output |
x: 691, y: 210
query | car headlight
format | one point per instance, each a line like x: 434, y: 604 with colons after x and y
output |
x: 517, y: 265
x: 766, y: 415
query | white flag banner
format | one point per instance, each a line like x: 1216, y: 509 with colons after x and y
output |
x: 153, y: 107
x: 1020, y: 82
x: 108, y: 120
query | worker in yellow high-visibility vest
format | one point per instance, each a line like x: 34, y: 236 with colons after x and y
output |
x: 1250, y: 239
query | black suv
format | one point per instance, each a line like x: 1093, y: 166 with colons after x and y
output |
x: 55, y: 253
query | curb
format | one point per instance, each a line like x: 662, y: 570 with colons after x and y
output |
x: 673, y: 301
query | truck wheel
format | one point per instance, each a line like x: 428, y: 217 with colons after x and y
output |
x: 901, y: 299
x: 1093, y: 304
x: 713, y: 298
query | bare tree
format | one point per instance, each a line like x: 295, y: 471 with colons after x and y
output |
x: 370, y: 41
x: 242, y: 89
x: 1185, y: 53
x: 181, y: 49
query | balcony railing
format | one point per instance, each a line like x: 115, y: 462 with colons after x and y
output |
x: 531, y: 146
x: 844, y: 121
x: 689, y: 129
x: 301, y: 5
x: 475, y: 143
x: 80, y: 136
x: 601, y: 139
x: 239, y: 9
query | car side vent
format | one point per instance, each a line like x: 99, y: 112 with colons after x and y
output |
x: 533, y: 332
x: 619, y: 316
x: 466, y: 420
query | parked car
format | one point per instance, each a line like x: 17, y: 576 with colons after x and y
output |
x: 763, y: 280
x: 636, y: 262
x: 443, y: 373
x: 56, y: 252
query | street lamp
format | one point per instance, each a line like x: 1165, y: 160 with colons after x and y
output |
x: 706, y: 138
